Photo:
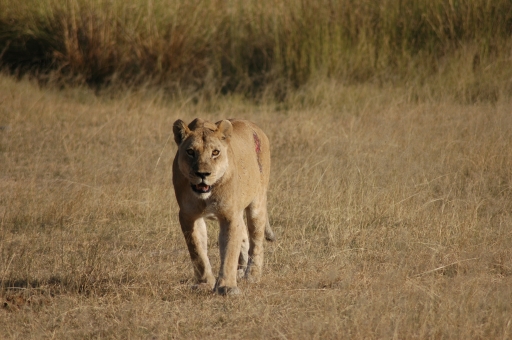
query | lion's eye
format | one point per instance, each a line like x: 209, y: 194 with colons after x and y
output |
x: 190, y: 152
x: 215, y: 152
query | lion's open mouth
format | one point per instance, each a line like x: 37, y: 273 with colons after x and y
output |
x: 201, y: 188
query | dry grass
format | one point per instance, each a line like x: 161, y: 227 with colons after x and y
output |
x: 393, y: 219
x: 256, y: 47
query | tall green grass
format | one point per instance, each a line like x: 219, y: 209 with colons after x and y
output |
x: 251, y: 46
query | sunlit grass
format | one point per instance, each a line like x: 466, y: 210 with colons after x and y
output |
x: 392, y: 218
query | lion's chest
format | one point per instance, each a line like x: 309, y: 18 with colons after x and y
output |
x: 215, y: 210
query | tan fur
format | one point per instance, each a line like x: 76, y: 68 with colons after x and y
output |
x: 220, y: 171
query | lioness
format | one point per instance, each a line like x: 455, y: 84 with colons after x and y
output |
x: 219, y: 171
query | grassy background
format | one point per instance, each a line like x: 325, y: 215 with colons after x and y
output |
x: 391, y: 184
x: 265, y: 47
x: 392, y: 217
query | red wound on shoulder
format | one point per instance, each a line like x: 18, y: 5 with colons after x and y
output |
x: 257, y: 142
x: 257, y: 147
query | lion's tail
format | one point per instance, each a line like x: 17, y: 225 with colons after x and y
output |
x: 269, y: 234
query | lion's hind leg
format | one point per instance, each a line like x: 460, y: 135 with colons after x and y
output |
x: 257, y: 226
x: 243, y: 259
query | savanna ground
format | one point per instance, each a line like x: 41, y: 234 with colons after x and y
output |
x: 393, y: 219
x: 391, y: 185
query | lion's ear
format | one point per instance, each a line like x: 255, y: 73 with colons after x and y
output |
x: 180, y: 130
x: 225, y: 129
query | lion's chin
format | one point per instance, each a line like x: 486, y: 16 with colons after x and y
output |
x: 201, y: 188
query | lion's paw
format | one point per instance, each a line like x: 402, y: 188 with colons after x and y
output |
x: 202, y: 287
x: 252, y: 278
x: 240, y: 273
x: 228, y: 290
x: 253, y: 274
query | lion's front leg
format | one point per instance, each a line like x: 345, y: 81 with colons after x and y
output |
x: 230, y: 241
x: 196, y: 238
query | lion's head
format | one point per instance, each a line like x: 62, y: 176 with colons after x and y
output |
x: 202, y: 152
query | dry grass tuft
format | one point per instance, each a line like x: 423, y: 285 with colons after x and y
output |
x: 393, y: 218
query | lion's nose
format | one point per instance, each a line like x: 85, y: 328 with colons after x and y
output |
x: 203, y: 175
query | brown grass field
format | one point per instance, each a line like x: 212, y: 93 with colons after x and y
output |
x: 393, y: 218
